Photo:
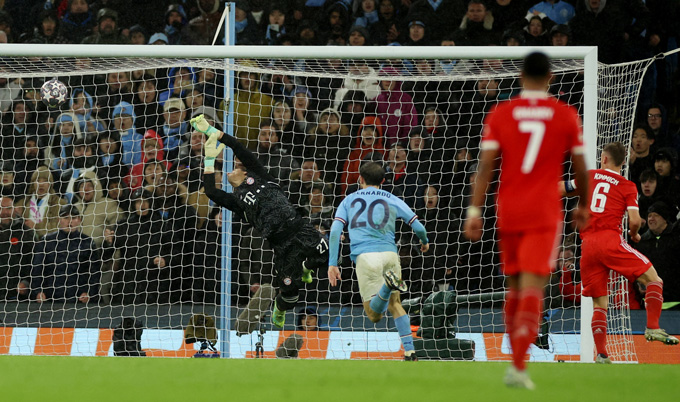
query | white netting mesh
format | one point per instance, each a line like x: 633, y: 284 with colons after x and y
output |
x: 122, y: 152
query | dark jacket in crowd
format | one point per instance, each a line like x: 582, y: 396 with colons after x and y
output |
x: 65, y: 265
x: 16, y: 250
x: 662, y: 251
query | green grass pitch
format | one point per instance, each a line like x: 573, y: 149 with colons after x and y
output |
x: 29, y: 378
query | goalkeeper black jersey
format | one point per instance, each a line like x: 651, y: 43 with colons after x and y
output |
x: 258, y: 200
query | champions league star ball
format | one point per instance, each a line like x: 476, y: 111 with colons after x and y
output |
x: 53, y: 93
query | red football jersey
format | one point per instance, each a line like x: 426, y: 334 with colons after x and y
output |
x: 611, y: 196
x: 534, y: 132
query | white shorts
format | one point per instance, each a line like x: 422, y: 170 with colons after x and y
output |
x: 370, y: 269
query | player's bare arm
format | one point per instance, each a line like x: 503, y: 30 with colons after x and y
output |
x: 473, y: 221
x: 581, y: 213
x: 635, y: 222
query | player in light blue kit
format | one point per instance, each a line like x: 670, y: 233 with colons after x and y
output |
x: 371, y: 214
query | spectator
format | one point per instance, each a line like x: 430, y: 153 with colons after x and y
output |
x: 395, y: 109
x: 418, y: 34
x: 9, y: 91
x: 109, y: 157
x: 570, y: 285
x: 328, y: 143
x: 440, y: 15
x: 118, y: 89
x: 175, y: 21
x: 8, y: 183
x: 66, y: 264
x: 476, y: 28
x: 107, y: 29
x: 250, y: 106
x: 369, y: 140
x: 178, y: 220
x: 201, y: 29
x: 302, y: 181
x: 434, y: 269
x: 152, y: 145
x: 422, y: 160
x: 119, y: 192
x: 559, y: 11
x: 16, y: 250
x: 408, y: 184
x: 282, y: 119
x: 369, y: 86
x: 649, y: 194
x: 82, y: 105
x: 507, y: 14
x: 174, y: 129
x: 97, y: 211
x: 124, y: 118
x: 41, y: 204
x: 269, y: 152
x: 199, y: 201
x: 138, y: 35
x: 247, y: 32
x: 668, y: 184
x: 657, y: 119
x: 149, y: 113
x: 18, y: 123
x: 46, y: 30
x: 559, y: 35
x: 158, y: 38
x: 640, y: 158
x: 366, y: 15
x: 359, y: 36
x: 389, y: 28
x: 660, y: 244
x: 179, y: 80
x: 335, y: 24
x: 277, y: 27
x: 212, y: 87
x: 82, y: 160
x: 194, y: 98
x: 318, y: 207
x: 78, y: 21
x: 598, y: 24
x: 353, y: 109
x: 308, y: 319
x: 60, y: 146
x: 535, y: 32
x: 144, y: 252
x: 31, y: 157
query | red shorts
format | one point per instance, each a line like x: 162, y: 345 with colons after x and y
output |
x: 604, y: 251
x: 532, y: 252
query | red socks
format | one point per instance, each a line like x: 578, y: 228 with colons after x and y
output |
x: 525, y: 324
x: 599, y: 327
x: 653, y: 303
x: 510, y: 308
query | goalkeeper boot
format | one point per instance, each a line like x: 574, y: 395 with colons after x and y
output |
x: 278, y: 316
x: 393, y: 282
x: 518, y: 379
x: 411, y: 358
x: 199, y: 123
x: 602, y: 359
x: 306, y: 274
x: 661, y: 336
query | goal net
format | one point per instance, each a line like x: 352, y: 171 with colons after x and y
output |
x: 145, y: 254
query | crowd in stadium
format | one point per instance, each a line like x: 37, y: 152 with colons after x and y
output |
x: 103, y: 200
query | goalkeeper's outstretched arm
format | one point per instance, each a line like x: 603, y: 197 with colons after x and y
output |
x: 247, y: 158
x: 219, y: 197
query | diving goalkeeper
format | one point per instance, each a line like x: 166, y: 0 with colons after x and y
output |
x: 258, y: 200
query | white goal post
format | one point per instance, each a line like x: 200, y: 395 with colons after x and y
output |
x: 599, y: 104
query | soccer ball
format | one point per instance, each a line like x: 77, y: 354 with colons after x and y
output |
x: 53, y: 93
